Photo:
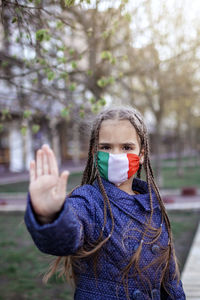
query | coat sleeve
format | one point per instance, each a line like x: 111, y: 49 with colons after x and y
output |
x: 175, y: 288
x: 66, y: 234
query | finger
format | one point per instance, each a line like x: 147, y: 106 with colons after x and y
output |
x: 32, y: 172
x: 62, y: 183
x: 39, y: 163
x: 52, y: 163
x: 45, y: 164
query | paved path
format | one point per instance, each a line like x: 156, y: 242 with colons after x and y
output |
x: 11, y: 177
x: 191, y: 272
x: 17, y: 202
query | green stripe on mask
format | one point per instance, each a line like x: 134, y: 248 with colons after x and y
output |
x: 102, y: 161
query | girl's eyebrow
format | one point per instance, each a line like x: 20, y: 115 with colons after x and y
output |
x: 129, y: 143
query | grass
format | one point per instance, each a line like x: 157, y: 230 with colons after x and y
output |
x: 22, y: 187
x: 184, y: 225
x: 22, y: 264
x: 170, y: 180
x: 189, y: 179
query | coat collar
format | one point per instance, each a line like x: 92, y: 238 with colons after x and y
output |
x: 125, y: 200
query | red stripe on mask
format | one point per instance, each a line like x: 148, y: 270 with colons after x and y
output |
x: 134, y: 163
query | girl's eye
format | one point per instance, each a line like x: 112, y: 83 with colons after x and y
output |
x: 127, y: 148
x: 104, y: 147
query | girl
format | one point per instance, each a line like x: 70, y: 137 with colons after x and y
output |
x: 112, y: 233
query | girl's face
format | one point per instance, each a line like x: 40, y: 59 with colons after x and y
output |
x: 119, y: 136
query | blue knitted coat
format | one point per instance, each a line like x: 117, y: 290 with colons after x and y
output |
x: 81, y: 220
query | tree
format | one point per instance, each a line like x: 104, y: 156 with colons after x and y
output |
x: 71, y: 54
x: 164, y: 69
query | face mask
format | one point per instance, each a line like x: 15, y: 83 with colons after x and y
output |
x: 117, y: 168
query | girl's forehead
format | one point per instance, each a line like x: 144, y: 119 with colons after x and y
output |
x: 117, y: 130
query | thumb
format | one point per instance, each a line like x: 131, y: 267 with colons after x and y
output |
x: 62, y: 184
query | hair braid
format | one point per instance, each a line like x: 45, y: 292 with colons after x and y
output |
x: 91, y: 173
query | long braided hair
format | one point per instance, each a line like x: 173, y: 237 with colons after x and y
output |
x: 91, y: 173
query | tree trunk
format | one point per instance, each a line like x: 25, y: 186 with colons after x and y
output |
x: 179, y: 162
x: 158, y: 169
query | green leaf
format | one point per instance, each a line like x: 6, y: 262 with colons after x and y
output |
x: 128, y: 17
x: 35, y: 80
x: 41, y: 61
x: 72, y: 87
x: 71, y: 51
x: 35, y: 128
x: 18, y: 10
x: 92, y: 100
x: 42, y: 35
x: 106, y: 55
x: 59, y: 24
x: 89, y: 72
x: 23, y: 130
x: 27, y: 114
x: 5, y: 114
x: 111, y: 80
x: 95, y: 108
x: 102, y: 101
x: 104, y: 81
x: 105, y: 34
x: 64, y: 75
x: 62, y: 60
x: 69, y: 2
x: 101, y: 82
x: 64, y: 112
x: 113, y: 61
x: 61, y: 48
x: 14, y: 19
x: 50, y: 74
x: 74, y: 64
x: 82, y: 113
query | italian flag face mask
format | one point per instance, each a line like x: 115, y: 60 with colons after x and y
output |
x: 117, y: 168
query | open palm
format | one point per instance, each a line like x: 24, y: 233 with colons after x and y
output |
x: 47, y: 188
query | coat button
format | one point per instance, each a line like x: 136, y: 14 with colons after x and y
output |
x: 155, y: 249
x: 155, y: 294
x: 138, y: 295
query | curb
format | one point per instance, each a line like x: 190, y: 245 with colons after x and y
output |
x: 4, y: 207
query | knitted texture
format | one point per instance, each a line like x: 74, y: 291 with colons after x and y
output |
x: 81, y: 219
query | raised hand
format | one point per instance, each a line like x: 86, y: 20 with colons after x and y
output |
x: 47, y: 188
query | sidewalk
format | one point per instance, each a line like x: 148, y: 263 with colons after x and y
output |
x: 172, y: 198
x: 191, y: 272
x: 11, y: 177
